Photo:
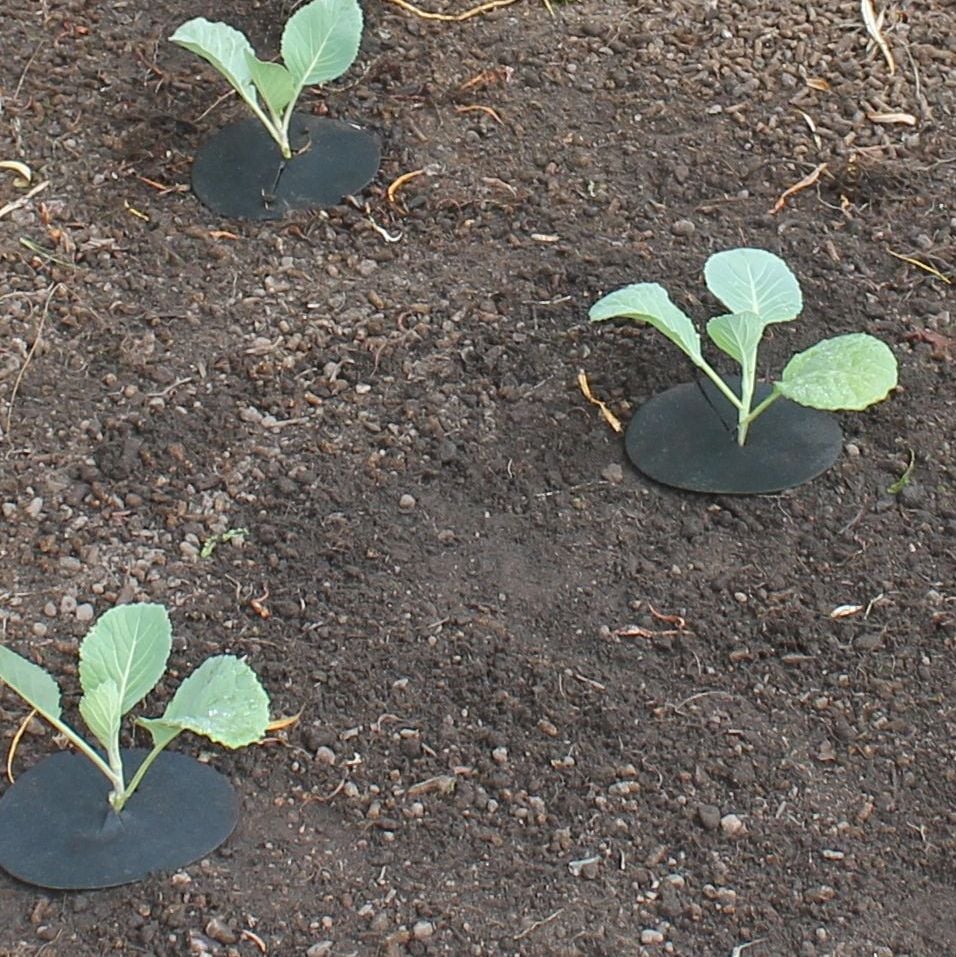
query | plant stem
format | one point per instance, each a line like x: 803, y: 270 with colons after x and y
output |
x: 286, y: 121
x: 141, y: 772
x: 725, y: 389
x: 278, y: 131
x: 747, y: 370
x: 116, y: 765
x: 85, y: 749
x: 744, y: 424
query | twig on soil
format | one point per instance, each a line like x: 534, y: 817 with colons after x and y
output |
x: 12, y: 753
x: 452, y: 17
x: 49, y: 944
x: 208, y: 110
x: 538, y: 923
x: 30, y: 354
x: 320, y: 799
x: 590, y: 682
x: 920, y: 829
x: 387, y: 236
x: 255, y: 938
x: 286, y: 721
x: 612, y: 420
x: 376, y: 726
x: 23, y: 200
x: 442, y: 783
x: 571, y: 488
x: 161, y: 188
x: 23, y: 172
x: 678, y: 620
x: 23, y: 75
x: 472, y: 107
x: 808, y: 180
x: 170, y: 388
x: 486, y: 78
x: 740, y: 948
x: 708, y: 206
x: 38, y: 250
x: 932, y: 166
x: 813, y: 128
x: 892, y: 117
x: 700, y: 694
x: 636, y: 631
x: 397, y: 183
x: 932, y: 270
x: 874, y: 26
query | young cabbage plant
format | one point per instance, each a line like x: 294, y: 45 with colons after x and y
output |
x: 122, y: 659
x: 319, y: 43
x: 846, y: 372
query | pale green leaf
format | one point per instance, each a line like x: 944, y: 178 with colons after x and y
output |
x: 128, y: 645
x: 159, y: 731
x: 648, y: 302
x: 274, y: 83
x: 738, y: 334
x: 31, y: 682
x: 101, y: 708
x: 225, y: 47
x: 321, y: 40
x: 754, y: 280
x: 222, y: 700
x: 846, y: 372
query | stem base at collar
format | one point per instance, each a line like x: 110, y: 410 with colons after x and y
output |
x: 240, y: 171
x: 686, y: 438
x: 57, y: 828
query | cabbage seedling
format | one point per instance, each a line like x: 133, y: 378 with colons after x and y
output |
x: 850, y: 371
x: 319, y: 43
x: 121, y: 660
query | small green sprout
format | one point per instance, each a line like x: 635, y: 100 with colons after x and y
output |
x: 896, y: 487
x: 214, y: 541
x: 319, y: 43
x: 851, y: 371
x: 122, y: 659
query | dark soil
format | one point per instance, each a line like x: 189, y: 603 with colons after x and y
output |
x: 548, y: 708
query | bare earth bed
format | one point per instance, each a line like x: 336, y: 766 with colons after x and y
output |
x: 548, y: 708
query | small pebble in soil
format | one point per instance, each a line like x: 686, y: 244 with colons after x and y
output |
x: 407, y: 502
x: 322, y: 948
x: 423, y: 929
x: 613, y: 473
x: 587, y: 868
x: 84, y: 613
x: 548, y: 728
x: 220, y: 931
x: 732, y: 826
x: 683, y: 228
x: 709, y: 816
x: 651, y: 936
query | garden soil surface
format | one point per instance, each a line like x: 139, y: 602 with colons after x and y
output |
x: 546, y: 707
